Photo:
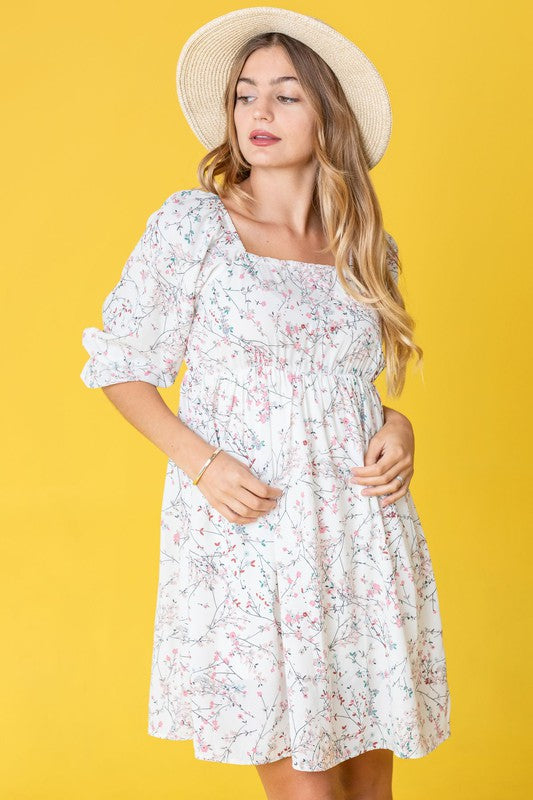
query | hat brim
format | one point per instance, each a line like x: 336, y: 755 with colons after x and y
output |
x: 206, y: 57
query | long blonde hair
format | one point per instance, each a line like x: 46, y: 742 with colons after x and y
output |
x: 344, y: 196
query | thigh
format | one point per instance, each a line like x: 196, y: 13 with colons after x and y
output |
x: 282, y: 782
x: 368, y: 775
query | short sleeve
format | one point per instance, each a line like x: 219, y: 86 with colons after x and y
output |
x: 148, y: 314
x: 392, y: 256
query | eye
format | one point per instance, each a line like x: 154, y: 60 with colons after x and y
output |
x: 245, y: 98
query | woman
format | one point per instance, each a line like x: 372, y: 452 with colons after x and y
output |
x: 297, y: 624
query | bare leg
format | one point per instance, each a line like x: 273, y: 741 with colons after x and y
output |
x: 367, y: 776
x: 282, y: 782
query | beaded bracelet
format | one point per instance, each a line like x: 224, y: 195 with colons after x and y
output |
x: 205, y: 466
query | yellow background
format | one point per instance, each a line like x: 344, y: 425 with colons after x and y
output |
x: 93, y: 142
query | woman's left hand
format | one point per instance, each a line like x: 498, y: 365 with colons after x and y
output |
x: 390, y: 453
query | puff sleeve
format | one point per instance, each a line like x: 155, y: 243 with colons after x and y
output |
x: 148, y: 314
x: 392, y: 257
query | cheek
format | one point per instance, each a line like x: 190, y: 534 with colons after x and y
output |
x: 300, y: 121
x: 241, y: 127
x: 240, y: 117
x: 300, y: 132
x: 237, y: 116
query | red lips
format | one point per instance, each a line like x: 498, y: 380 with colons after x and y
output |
x: 263, y: 133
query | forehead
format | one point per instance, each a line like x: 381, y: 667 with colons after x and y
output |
x: 269, y: 65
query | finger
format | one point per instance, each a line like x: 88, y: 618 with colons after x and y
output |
x: 242, y: 510
x: 258, y: 487
x: 253, y: 502
x: 231, y: 516
x: 387, y: 488
x: 369, y: 469
x: 247, y: 503
x: 386, y: 461
x: 395, y: 457
x: 391, y: 498
x: 387, y: 471
x: 374, y: 451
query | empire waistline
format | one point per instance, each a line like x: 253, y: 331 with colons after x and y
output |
x: 290, y: 373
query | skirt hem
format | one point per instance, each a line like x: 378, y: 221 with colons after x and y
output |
x: 420, y: 753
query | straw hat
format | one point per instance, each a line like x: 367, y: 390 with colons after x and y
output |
x: 205, y: 60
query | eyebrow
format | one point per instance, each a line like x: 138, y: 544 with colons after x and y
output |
x: 273, y: 82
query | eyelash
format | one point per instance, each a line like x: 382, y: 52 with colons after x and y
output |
x: 293, y: 99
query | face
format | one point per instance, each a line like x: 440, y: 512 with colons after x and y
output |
x: 269, y: 98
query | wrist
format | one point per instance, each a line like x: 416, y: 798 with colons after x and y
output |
x: 391, y: 416
x: 190, y: 450
x: 206, y: 464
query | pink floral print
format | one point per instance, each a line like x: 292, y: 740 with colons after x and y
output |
x: 314, y: 632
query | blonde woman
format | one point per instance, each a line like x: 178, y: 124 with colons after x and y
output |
x: 297, y: 625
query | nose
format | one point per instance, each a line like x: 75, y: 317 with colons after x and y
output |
x: 262, y: 113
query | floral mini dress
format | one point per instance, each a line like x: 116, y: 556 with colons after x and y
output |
x: 314, y: 632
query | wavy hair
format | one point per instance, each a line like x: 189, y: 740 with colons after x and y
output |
x: 343, y: 197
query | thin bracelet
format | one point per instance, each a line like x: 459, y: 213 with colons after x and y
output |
x: 205, y: 466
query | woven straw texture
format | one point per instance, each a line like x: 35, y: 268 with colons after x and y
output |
x: 205, y: 60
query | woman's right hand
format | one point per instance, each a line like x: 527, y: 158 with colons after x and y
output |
x: 235, y: 492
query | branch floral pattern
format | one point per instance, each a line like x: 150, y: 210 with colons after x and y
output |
x: 314, y: 632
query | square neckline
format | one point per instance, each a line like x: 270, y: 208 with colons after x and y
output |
x: 246, y: 252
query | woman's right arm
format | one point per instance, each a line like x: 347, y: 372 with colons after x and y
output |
x: 228, y: 484
x: 147, y: 319
x: 142, y: 405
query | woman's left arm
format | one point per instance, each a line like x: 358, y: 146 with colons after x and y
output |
x: 390, y: 453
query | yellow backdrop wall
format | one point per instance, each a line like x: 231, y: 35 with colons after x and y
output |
x: 93, y: 141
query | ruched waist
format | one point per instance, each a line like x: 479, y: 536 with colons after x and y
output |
x: 279, y: 372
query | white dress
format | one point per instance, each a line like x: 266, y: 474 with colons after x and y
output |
x: 315, y: 631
